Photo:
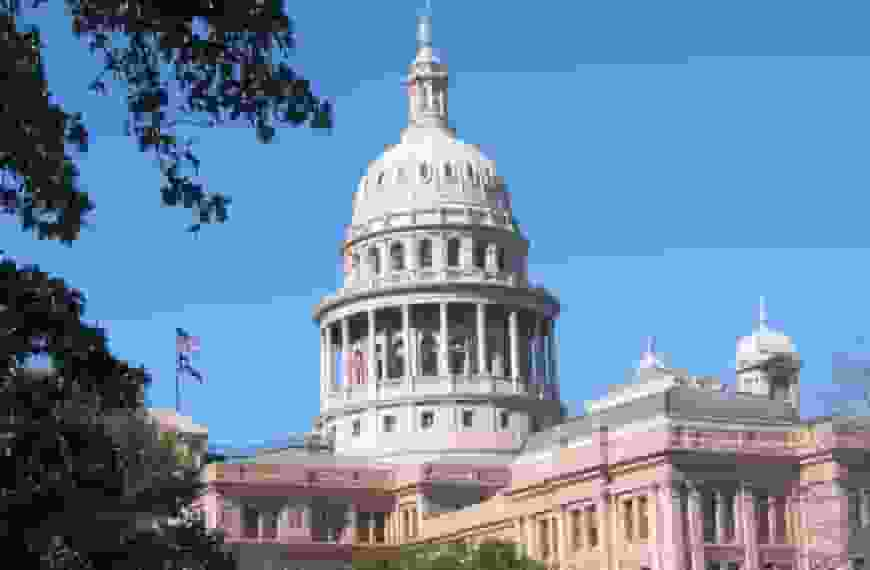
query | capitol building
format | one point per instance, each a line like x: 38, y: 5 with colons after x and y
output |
x: 441, y: 419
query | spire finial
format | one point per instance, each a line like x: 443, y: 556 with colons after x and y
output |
x: 762, y: 313
x: 649, y: 359
x: 424, y: 28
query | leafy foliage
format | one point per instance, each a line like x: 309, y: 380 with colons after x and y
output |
x: 220, y: 61
x: 489, y: 555
x: 80, y: 464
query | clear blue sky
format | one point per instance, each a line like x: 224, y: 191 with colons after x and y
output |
x: 667, y: 173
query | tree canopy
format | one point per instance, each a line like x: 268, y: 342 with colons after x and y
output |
x: 221, y: 60
x: 488, y: 555
x: 80, y: 465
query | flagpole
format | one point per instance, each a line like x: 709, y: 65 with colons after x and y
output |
x: 178, y: 386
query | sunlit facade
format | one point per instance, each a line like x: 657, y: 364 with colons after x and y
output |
x: 441, y: 420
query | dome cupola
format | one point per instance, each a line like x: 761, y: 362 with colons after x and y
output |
x: 430, y: 167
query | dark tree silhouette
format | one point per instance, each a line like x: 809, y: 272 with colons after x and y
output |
x: 220, y: 58
x: 80, y: 466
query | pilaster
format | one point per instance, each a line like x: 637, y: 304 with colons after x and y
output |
x: 696, y: 527
x: 750, y: 529
x: 673, y: 531
x: 372, y: 380
x: 443, y: 341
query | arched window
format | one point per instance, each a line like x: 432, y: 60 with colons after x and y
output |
x: 425, y: 172
x: 500, y: 261
x: 397, y: 256
x: 448, y: 170
x: 400, y: 176
x: 426, y: 253
x: 480, y: 254
x: 375, y: 260
x: 453, y: 252
x: 469, y: 171
x: 380, y: 178
x: 355, y: 264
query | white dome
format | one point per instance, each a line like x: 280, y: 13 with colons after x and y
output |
x: 765, y: 339
x: 428, y: 168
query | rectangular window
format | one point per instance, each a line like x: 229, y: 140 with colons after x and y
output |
x: 711, y: 565
x: 363, y: 527
x: 544, y: 538
x: 251, y: 521
x: 854, y: 511
x: 406, y: 524
x: 504, y: 418
x: 389, y: 423
x: 643, y: 523
x: 357, y: 427
x: 628, y: 519
x: 380, y: 527
x: 577, y: 529
x: 729, y: 517
x: 762, y: 508
x: 270, y: 525
x: 427, y: 419
x: 709, y: 514
x: 467, y: 418
x: 592, y: 522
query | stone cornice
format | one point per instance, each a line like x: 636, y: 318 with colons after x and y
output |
x: 523, y: 296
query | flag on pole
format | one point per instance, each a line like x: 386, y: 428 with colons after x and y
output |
x: 184, y: 343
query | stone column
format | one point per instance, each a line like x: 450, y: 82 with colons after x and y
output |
x: 443, y: 341
x: 406, y: 340
x: 696, y: 527
x: 554, y: 358
x: 672, y: 529
x: 605, y: 537
x: 330, y: 359
x: 555, y: 538
x: 515, y: 352
x: 654, y: 527
x: 539, y: 376
x: 323, y: 376
x: 345, y: 351
x: 720, y: 517
x: 372, y: 370
x: 750, y: 529
x: 772, y: 522
x: 564, y: 529
x: 481, y: 340
x: 864, y: 507
x: 528, y: 528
